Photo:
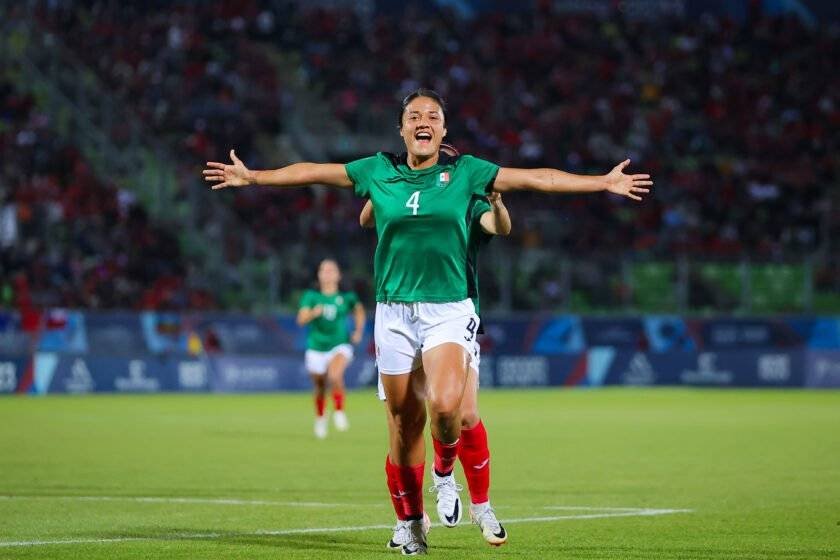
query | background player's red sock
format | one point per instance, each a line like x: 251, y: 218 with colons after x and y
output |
x: 410, y: 481
x: 445, y: 455
x: 338, y: 400
x: 319, y: 405
x: 392, y: 477
x: 475, y: 458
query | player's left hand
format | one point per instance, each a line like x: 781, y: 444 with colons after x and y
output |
x: 630, y: 186
x: 356, y: 337
x: 494, y: 198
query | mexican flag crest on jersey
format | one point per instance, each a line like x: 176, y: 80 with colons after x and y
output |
x: 444, y: 179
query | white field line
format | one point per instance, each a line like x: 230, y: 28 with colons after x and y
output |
x: 602, y: 508
x: 637, y: 513
x: 214, y: 501
x: 310, y: 530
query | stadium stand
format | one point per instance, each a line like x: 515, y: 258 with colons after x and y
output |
x: 742, y: 176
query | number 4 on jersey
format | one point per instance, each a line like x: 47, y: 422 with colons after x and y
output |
x: 413, y: 202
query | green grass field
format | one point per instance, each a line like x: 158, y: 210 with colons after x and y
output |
x: 578, y: 474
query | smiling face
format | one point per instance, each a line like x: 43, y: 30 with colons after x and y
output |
x: 422, y: 127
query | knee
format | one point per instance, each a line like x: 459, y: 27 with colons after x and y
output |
x: 445, y: 409
x: 469, y: 419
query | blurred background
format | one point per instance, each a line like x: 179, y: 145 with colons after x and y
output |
x: 112, y: 247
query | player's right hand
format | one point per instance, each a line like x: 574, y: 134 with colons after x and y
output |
x: 236, y: 175
x: 317, y: 311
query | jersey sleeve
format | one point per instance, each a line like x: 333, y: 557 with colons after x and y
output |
x: 361, y: 173
x: 482, y: 174
x: 306, y: 299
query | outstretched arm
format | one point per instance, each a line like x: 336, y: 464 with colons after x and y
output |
x: 556, y: 181
x: 295, y: 175
x: 366, y: 219
x: 497, y: 220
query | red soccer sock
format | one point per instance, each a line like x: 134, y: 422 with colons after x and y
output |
x: 475, y: 458
x: 410, y: 483
x: 445, y: 455
x: 397, y: 496
x: 338, y: 400
x: 320, y: 403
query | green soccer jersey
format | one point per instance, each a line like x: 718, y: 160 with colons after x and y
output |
x: 330, y: 329
x: 477, y: 239
x: 423, y: 221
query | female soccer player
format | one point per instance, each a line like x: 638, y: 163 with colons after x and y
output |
x: 423, y: 313
x: 328, y: 344
x: 488, y: 217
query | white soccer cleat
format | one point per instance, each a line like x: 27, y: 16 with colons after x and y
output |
x: 416, y: 538
x: 401, y: 533
x: 492, y: 531
x: 321, y: 426
x: 448, y: 501
x: 340, y: 421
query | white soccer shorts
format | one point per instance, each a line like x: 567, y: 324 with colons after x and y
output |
x: 317, y: 362
x: 403, y: 331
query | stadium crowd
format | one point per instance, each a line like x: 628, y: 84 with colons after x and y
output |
x: 737, y: 121
x: 69, y: 239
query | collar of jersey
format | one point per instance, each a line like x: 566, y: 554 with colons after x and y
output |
x: 401, y: 161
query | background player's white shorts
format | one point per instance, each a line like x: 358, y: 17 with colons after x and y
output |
x: 317, y: 362
x: 474, y: 365
x: 403, y: 331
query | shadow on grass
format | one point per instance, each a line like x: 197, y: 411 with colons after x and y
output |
x: 356, y: 542
x: 372, y: 541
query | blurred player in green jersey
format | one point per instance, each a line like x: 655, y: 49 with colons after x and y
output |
x: 329, y: 344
